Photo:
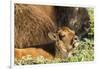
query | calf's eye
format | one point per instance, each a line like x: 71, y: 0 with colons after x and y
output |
x: 61, y: 36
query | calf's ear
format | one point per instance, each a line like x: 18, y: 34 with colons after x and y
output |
x: 53, y: 36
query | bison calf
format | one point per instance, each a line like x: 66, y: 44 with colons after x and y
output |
x: 61, y: 47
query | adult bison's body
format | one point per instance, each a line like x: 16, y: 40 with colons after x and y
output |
x: 33, y: 23
x: 31, y: 26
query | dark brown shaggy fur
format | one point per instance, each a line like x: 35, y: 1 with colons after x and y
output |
x: 76, y: 18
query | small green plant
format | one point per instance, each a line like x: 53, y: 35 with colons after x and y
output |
x: 91, y: 14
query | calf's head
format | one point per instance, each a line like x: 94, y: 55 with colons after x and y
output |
x: 65, y: 40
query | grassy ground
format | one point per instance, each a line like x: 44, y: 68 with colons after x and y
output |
x: 84, y: 51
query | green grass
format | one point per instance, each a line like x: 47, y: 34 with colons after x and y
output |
x: 84, y: 52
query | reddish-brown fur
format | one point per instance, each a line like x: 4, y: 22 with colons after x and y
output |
x: 34, y: 52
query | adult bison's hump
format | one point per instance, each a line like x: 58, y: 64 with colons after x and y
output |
x: 31, y: 26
